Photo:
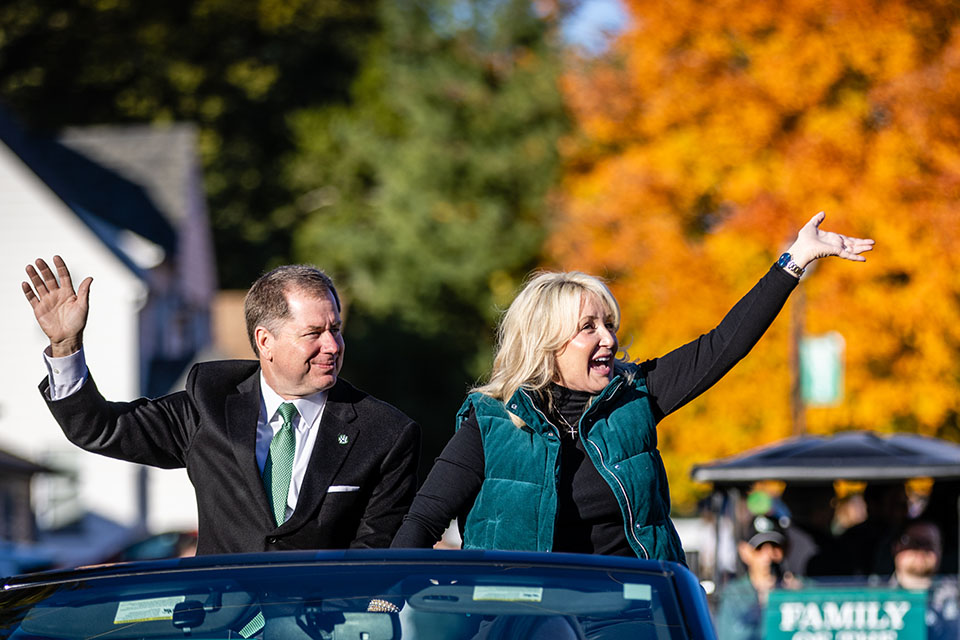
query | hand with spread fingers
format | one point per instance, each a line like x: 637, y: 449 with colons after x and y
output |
x: 813, y: 243
x: 60, y: 311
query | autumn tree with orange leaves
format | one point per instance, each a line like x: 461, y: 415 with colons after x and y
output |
x: 709, y: 134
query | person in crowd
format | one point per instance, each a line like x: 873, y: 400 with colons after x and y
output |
x: 811, y: 540
x: 941, y: 507
x: 744, y: 599
x: 865, y: 547
x: 558, y: 450
x: 282, y: 453
x: 917, y: 552
x: 850, y: 509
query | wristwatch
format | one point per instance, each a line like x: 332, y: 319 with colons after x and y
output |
x: 786, y: 262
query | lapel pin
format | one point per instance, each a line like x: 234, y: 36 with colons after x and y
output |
x: 343, y: 439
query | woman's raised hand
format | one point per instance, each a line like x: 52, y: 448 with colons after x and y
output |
x: 813, y: 243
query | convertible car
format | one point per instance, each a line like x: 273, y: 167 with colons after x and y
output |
x: 361, y: 595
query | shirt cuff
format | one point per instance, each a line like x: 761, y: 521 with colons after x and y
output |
x: 66, y: 375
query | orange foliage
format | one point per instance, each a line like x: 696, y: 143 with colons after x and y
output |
x: 710, y: 134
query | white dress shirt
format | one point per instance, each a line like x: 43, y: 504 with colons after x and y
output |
x: 305, y: 428
x: 68, y: 374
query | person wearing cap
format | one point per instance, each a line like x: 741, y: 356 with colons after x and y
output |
x: 917, y: 552
x: 744, y: 599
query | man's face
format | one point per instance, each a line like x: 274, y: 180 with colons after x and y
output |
x: 917, y: 552
x: 771, y: 552
x: 763, y: 556
x: 304, y: 353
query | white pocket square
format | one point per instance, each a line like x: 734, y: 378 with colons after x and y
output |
x: 342, y: 488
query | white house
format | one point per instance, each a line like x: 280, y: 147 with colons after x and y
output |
x: 124, y: 205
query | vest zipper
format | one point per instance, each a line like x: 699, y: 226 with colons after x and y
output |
x: 626, y: 498
x: 533, y: 404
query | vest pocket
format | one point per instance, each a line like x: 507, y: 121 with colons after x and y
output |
x: 505, y: 516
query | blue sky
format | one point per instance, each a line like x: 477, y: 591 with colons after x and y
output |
x: 594, y: 22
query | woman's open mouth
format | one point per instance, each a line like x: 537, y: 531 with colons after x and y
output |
x: 601, y: 365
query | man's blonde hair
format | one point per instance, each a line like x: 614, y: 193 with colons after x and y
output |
x: 539, y: 322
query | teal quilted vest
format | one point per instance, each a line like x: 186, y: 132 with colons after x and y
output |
x: 517, y: 504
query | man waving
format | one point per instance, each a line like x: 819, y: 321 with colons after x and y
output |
x: 282, y: 453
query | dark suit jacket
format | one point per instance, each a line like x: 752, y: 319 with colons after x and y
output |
x: 210, y: 428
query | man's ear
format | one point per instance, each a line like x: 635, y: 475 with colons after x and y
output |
x: 264, y: 340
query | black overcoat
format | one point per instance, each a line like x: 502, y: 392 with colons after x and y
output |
x: 360, y: 481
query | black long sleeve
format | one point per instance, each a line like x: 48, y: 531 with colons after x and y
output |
x: 673, y: 380
x: 449, y: 490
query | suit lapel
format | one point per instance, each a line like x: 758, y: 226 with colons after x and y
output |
x: 338, y: 433
x: 242, y: 415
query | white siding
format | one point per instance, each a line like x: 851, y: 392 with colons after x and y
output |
x: 36, y: 223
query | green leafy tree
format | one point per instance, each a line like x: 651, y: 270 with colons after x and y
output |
x: 410, y: 144
x: 236, y: 68
x: 427, y: 199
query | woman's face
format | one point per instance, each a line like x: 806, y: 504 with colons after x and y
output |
x: 585, y: 363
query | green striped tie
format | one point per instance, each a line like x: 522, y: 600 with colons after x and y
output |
x: 279, y: 466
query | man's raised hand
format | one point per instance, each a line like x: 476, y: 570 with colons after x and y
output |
x: 61, y: 312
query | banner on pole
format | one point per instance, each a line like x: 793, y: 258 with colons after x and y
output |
x: 821, y: 369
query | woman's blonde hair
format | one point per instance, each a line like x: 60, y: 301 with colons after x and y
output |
x: 539, y: 322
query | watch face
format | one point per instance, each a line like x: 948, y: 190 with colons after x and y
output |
x: 784, y: 260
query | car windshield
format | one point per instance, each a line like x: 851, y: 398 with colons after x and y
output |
x: 360, y: 600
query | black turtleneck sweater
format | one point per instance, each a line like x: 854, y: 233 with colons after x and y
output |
x: 588, y: 517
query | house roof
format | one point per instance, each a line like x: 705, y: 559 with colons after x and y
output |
x: 161, y: 158
x: 853, y: 455
x: 109, y: 203
x: 11, y: 465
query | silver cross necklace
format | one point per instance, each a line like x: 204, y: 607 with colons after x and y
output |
x: 572, y: 430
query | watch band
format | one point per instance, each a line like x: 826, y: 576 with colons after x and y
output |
x: 786, y: 261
